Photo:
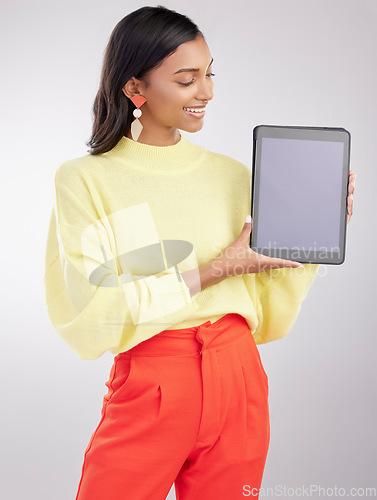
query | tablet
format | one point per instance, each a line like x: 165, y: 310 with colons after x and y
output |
x: 299, y: 193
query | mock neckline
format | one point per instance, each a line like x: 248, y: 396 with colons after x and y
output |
x: 176, y: 158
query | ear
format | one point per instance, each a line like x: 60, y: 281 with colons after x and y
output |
x: 126, y: 91
x: 131, y: 87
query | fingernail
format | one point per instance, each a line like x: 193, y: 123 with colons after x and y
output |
x: 299, y: 266
x: 248, y: 218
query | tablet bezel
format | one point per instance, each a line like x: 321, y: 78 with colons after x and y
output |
x: 334, y: 134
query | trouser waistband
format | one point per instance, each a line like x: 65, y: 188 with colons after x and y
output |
x: 193, y: 339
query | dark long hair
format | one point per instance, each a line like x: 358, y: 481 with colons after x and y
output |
x: 138, y: 43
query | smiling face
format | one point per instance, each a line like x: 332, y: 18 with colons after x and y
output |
x: 170, y: 90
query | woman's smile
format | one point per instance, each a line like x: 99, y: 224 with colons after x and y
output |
x: 198, y: 113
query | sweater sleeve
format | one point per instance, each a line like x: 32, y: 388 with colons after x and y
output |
x: 96, y: 301
x: 277, y: 295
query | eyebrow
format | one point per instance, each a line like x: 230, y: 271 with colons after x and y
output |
x: 183, y: 70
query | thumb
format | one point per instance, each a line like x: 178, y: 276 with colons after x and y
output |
x: 248, y: 223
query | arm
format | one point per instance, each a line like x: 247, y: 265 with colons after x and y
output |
x: 94, y: 301
x: 210, y: 273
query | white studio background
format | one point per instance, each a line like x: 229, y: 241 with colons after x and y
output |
x: 292, y: 62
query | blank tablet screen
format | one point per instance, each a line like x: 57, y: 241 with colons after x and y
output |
x: 299, y: 190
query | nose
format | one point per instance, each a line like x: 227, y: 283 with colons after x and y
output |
x: 205, y: 91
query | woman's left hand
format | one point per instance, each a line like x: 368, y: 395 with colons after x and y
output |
x: 351, y: 190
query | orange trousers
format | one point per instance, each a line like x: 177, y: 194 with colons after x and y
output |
x: 189, y: 407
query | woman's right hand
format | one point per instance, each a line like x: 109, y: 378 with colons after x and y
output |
x: 238, y: 258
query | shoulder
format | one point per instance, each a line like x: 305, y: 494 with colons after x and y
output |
x: 75, y: 205
x: 229, y: 163
x: 75, y: 169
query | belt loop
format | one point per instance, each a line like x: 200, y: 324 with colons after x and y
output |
x: 199, y: 337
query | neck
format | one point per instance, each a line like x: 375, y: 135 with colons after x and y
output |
x: 154, y: 140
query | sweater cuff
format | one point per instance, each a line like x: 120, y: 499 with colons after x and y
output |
x: 177, y: 301
x: 163, y: 298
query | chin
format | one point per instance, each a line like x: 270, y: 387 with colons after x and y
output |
x: 192, y: 129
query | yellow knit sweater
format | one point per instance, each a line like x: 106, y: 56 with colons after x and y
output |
x: 126, y: 223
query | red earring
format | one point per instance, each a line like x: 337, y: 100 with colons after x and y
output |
x: 136, y: 126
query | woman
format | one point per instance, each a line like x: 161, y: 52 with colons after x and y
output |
x: 148, y: 258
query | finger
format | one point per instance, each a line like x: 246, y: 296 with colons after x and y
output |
x: 247, y: 227
x: 277, y: 263
x: 292, y: 263
x: 351, y: 185
x: 349, y: 202
x: 352, y: 176
x: 349, y: 207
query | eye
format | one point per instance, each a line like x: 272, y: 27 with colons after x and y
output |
x: 189, y: 83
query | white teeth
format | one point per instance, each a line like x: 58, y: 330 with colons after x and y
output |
x: 194, y: 110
